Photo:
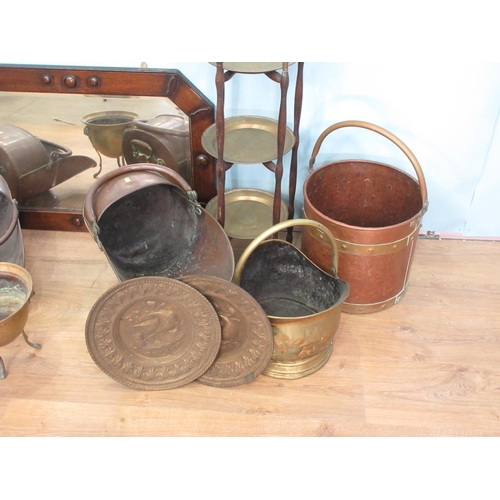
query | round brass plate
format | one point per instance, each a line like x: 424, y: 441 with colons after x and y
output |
x: 153, y: 333
x: 247, y: 336
x: 248, y: 139
x: 251, y: 67
x: 249, y: 212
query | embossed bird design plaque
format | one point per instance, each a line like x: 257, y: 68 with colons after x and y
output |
x: 153, y: 333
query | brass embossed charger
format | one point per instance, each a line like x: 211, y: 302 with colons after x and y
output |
x: 153, y: 333
x: 247, y: 336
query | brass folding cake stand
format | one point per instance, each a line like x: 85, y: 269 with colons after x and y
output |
x: 255, y: 139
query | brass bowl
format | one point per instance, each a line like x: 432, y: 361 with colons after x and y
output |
x: 16, y: 288
x: 105, y: 130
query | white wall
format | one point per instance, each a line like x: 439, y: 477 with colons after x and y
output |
x: 446, y: 112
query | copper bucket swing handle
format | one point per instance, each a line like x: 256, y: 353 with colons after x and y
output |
x: 279, y: 227
x: 59, y: 153
x: 12, y: 224
x: 167, y: 173
x: 387, y: 135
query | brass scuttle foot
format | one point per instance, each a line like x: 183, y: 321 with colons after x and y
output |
x: 3, y: 373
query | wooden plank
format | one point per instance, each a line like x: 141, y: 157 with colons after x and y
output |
x: 429, y: 366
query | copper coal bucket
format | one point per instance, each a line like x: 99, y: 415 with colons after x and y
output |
x: 11, y: 237
x: 374, y: 212
x: 147, y: 220
x: 303, y: 303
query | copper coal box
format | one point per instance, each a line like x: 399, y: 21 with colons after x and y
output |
x: 163, y: 140
x: 148, y: 222
x: 33, y: 166
x: 374, y: 212
x: 303, y: 303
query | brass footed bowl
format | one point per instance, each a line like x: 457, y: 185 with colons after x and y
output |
x: 105, y: 130
x: 16, y: 288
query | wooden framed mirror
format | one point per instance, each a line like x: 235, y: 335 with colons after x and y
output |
x: 56, y: 105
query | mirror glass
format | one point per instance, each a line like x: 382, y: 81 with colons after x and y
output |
x: 64, y: 120
x: 61, y: 128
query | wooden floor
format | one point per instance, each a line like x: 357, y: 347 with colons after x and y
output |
x: 430, y: 366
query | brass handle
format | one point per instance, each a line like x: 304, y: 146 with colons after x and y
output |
x: 142, y: 148
x: 384, y: 133
x: 279, y: 227
x: 169, y: 174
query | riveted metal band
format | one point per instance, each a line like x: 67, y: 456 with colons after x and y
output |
x: 367, y: 250
x: 351, y: 308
